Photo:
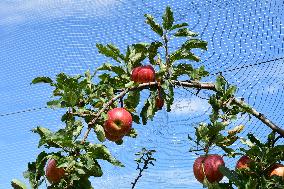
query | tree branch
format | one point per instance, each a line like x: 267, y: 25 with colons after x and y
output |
x: 188, y: 84
x: 260, y: 116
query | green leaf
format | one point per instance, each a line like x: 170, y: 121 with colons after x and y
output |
x: 84, y: 183
x: 115, y: 50
x: 271, y: 139
x: 91, y: 166
x: 136, y: 53
x: 230, y: 92
x: 168, y: 94
x: 144, y: 112
x: 153, y: 51
x: 44, y: 134
x: 141, y: 47
x: 111, y: 51
x: 185, y: 32
x: 71, y: 98
x: 54, y: 104
x: 199, y: 73
x: 62, y: 138
x: 132, y: 100
x: 230, y: 152
x: 109, y: 67
x: 133, y: 133
x: 247, y: 142
x: 149, y: 109
x: 42, y: 80
x: 99, y: 130
x: 220, y: 84
x: 40, y: 164
x: 168, y: 18
x: 227, y: 141
x: 254, y: 140
x: 170, y: 98
x: 35, y: 172
x: 231, y: 175
x: 252, y: 184
x: 77, y: 128
x: 154, y: 26
x: 201, y: 133
x: 135, y: 118
x: 31, y: 174
x: 130, y: 84
x: 16, y: 184
x: 99, y: 151
x: 182, y: 69
x: 194, y: 43
x: 183, y: 54
x: 179, y: 26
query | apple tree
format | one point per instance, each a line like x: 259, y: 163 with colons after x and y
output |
x: 104, y: 102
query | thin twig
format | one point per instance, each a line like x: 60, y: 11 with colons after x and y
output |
x: 146, y: 158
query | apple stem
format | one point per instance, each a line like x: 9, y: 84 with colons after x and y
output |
x: 121, y: 102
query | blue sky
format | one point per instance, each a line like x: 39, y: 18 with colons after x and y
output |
x: 46, y: 37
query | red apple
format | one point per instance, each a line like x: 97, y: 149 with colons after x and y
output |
x: 208, y: 165
x: 243, y: 162
x: 143, y: 74
x: 112, y: 137
x: 53, y: 174
x: 119, y: 122
x: 159, y: 103
x: 277, y: 169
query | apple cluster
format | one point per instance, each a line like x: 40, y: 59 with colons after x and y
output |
x: 119, y: 123
x: 276, y: 169
x: 204, y: 166
x: 208, y: 167
x: 119, y: 120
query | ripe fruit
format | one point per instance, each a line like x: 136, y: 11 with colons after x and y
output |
x: 112, y: 137
x: 243, y: 162
x: 53, y: 174
x: 208, y: 165
x: 119, y: 122
x: 277, y: 169
x: 143, y: 74
x: 159, y: 103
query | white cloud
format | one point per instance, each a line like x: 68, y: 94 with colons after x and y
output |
x: 20, y: 11
x: 190, y: 105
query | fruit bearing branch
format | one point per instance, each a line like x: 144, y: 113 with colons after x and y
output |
x: 188, y: 84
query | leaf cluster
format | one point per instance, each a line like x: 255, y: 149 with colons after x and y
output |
x: 263, y: 157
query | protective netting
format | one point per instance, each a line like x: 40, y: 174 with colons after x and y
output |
x: 48, y: 37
